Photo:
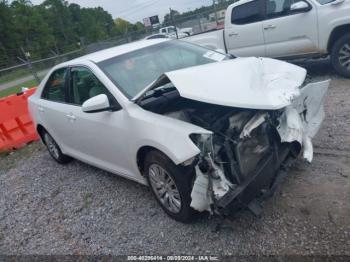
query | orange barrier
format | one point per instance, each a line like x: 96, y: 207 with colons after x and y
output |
x: 16, y: 126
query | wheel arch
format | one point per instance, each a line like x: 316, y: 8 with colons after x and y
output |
x: 141, y: 156
x: 336, y: 34
x: 40, y: 130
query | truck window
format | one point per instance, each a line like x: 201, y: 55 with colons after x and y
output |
x: 277, y: 8
x: 246, y: 13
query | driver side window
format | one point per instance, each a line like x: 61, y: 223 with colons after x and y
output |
x: 85, y: 85
x: 278, y: 8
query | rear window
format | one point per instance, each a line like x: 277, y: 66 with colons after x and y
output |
x: 55, y: 87
x: 246, y: 13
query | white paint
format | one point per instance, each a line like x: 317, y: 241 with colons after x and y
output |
x: 96, y: 103
x: 201, y: 200
x: 200, y: 195
x: 214, y: 56
x: 255, y: 83
x: 253, y: 123
x: 303, y: 118
x: 299, y: 34
x: 291, y: 126
x: 111, y: 140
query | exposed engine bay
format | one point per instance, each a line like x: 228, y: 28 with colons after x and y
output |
x: 242, y: 142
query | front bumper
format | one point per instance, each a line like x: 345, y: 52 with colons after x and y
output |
x: 259, y: 186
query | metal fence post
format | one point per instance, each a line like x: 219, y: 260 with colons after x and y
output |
x: 216, y: 13
x: 29, y: 64
x: 173, y: 22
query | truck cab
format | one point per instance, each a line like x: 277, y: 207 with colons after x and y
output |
x: 285, y: 29
x: 273, y: 28
x: 171, y: 31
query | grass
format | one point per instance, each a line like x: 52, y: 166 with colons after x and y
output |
x: 87, y: 199
x: 17, y: 88
x: 14, y: 75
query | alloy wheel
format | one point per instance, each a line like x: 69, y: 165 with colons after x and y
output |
x: 165, y: 188
x: 52, y: 146
x: 344, y: 56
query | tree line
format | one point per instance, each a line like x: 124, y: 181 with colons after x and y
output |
x: 56, y: 27
x: 53, y: 27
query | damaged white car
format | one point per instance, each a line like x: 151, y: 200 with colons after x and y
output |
x: 206, y: 131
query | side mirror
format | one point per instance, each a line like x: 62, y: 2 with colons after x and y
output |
x: 97, y: 104
x: 300, y: 6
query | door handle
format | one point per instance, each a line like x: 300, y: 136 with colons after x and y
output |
x: 233, y: 34
x: 40, y: 109
x: 269, y: 27
x: 71, y: 117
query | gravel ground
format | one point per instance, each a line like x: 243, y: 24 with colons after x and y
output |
x: 46, y: 208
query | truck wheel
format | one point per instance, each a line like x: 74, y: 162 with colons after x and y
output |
x: 171, y: 185
x: 340, y: 56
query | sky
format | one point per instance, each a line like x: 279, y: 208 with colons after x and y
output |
x: 136, y: 10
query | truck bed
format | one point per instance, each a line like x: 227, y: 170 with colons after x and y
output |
x: 212, y: 40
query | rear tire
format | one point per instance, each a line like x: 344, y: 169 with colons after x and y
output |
x: 171, y: 185
x: 54, y: 149
x: 340, y: 56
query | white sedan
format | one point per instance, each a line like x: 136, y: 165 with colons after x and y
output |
x: 206, y: 131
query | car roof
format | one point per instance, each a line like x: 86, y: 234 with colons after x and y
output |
x: 114, y: 51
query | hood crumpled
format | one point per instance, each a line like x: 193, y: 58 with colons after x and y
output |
x: 254, y: 83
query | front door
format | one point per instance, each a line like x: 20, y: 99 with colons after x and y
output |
x: 98, y: 138
x: 290, y: 32
x: 244, y: 32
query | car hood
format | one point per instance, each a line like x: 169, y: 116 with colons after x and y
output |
x: 254, y: 83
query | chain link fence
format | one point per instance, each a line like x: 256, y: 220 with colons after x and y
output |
x: 211, y: 18
x: 208, y: 19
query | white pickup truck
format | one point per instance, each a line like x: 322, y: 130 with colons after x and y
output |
x: 171, y: 31
x: 285, y: 29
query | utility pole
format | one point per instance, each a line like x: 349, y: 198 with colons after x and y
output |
x: 173, y: 22
x: 216, y: 12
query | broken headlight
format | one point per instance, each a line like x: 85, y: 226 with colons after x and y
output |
x: 204, y: 142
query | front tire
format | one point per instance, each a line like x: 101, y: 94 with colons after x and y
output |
x: 340, y: 56
x: 171, y: 185
x: 55, y: 150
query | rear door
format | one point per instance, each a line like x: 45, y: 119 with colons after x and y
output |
x: 244, y: 31
x: 289, y: 32
x: 53, y: 105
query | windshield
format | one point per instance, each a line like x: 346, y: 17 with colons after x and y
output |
x: 171, y: 30
x: 134, y: 71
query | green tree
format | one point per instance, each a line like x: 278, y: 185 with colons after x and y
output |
x: 30, y: 30
x: 6, y: 36
x: 122, y: 26
x: 168, y: 17
x: 54, y: 25
x: 58, y: 17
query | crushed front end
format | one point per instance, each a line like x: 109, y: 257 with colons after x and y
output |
x: 249, y: 149
x: 240, y: 162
